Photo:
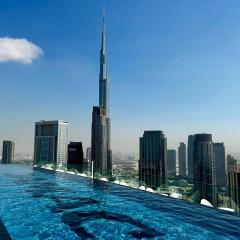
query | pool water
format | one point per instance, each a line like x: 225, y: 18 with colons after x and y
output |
x: 42, y: 204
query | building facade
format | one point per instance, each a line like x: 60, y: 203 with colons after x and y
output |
x: 152, y: 159
x: 171, y: 162
x: 101, y: 154
x: 233, y: 183
x: 8, y: 151
x: 51, y: 142
x: 220, y: 161
x: 190, y: 157
x: 204, y: 169
x: 88, y: 154
x: 182, y: 158
x: 75, y: 156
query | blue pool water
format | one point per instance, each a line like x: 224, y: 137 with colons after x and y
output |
x: 40, y: 204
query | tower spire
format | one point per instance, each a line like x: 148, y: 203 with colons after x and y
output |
x: 103, y: 81
x: 103, y: 17
x: 103, y: 48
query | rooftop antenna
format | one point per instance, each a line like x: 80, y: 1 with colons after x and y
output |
x: 104, y: 11
x: 104, y: 15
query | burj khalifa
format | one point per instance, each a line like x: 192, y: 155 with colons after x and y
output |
x: 101, y: 154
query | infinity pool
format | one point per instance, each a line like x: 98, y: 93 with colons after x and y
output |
x: 42, y: 204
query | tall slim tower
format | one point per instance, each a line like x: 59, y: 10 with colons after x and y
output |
x: 233, y: 183
x: 204, y: 169
x: 220, y: 162
x: 190, y: 156
x: 182, y: 157
x: 8, y: 151
x: 101, y: 154
x: 171, y: 162
x: 103, y: 80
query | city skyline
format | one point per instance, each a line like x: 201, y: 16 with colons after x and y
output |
x: 119, y: 119
x: 146, y: 70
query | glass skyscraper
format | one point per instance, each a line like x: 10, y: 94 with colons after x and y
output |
x: 51, y: 142
x: 220, y: 162
x: 171, y: 162
x: 101, y: 154
x: 204, y: 169
x: 153, y: 159
x: 75, y: 156
x: 182, y: 158
x: 88, y: 154
x: 8, y: 151
x: 190, y: 157
x: 233, y: 182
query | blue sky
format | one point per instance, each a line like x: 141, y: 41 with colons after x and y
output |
x: 172, y: 65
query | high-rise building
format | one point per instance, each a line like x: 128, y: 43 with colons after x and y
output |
x: 101, y: 153
x: 238, y: 177
x: 171, y: 162
x: 233, y: 183
x: 153, y: 159
x: 88, y: 154
x: 182, y: 158
x: 75, y: 156
x: 204, y: 169
x: 220, y: 162
x: 8, y: 151
x: 190, y: 156
x: 51, y: 142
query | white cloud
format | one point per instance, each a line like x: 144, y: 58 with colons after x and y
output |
x: 18, y: 50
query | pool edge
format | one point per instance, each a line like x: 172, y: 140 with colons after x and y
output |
x: 4, y: 234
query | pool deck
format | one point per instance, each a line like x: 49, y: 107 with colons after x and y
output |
x: 4, y: 235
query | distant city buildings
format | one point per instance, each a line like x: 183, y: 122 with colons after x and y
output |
x: 233, y: 182
x: 101, y: 154
x: 51, y: 142
x: 75, y: 156
x: 153, y: 159
x: 220, y: 162
x: 204, y: 169
x: 182, y: 158
x: 8, y: 151
x: 190, y: 156
x: 171, y: 162
x: 88, y: 154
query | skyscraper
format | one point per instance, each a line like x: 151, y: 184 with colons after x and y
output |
x: 75, y: 156
x: 233, y: 183
x: 8, y: 151
x: 153, y: 159
x: 204, y: 169
x: 220, y: 162
x: 190, y: 156
x: 51, y: 142
x: 182, y: 158
x: 171, y: 162
x: 88, y: 154
x: 101, y: 153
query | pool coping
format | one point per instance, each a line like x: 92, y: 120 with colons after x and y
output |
x: 3, y: 232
